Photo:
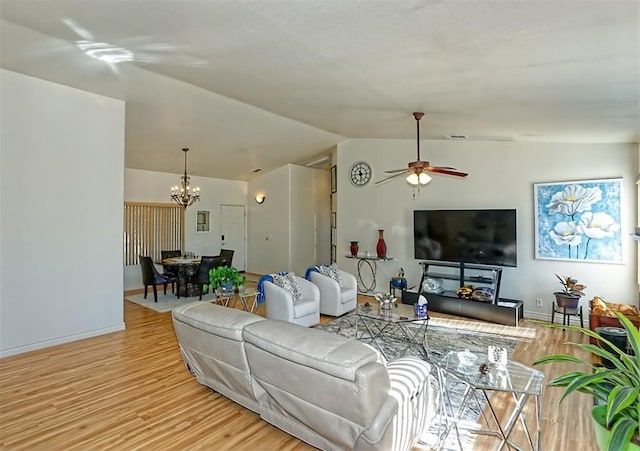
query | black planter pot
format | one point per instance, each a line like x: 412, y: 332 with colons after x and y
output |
x: 566, y: 300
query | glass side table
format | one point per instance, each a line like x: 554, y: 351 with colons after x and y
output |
x: 230, y: 297
x: 520, y: 380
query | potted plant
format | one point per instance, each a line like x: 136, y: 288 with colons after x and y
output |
x: 224, y: 277
x: 571, y: 292
x: 616, y: 389
x: 239, y: 283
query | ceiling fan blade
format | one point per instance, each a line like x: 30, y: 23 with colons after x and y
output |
x: 441, y: 170
x: 391, y: 171
x: 391, y: 176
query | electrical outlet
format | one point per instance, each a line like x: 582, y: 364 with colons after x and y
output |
x: 539, y: 302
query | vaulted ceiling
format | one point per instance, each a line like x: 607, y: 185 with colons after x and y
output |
x: 261, y: 83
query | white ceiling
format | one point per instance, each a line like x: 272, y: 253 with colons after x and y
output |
x: 257, y: 84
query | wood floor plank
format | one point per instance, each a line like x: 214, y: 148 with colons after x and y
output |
x: 130, y: 390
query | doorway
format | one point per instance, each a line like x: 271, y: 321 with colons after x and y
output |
x: 233, y: 233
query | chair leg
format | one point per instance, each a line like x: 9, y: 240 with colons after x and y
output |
x: 553, y: 312
x: 145, y: 291
x: 165, y: 289
x: 178, y: 289
x: 201, y: 289
x: 155, y: 293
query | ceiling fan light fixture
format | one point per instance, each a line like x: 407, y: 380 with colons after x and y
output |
x: 418, y: 179
x: 423, y: 178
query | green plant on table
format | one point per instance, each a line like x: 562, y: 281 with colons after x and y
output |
x: 618, y: 388
x: 240, y: 281
x: 223, y: 275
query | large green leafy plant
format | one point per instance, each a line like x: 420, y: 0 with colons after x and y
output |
x: 224, y: 274
x: 618, y: 388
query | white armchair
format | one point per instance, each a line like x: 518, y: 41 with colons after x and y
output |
x: 336, y: 299
x: 281, y: 305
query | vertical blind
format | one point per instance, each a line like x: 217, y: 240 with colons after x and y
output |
x: 150, y: 228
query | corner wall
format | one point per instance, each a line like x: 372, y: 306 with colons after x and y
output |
x: 61, y: 216
x: 290, y: 230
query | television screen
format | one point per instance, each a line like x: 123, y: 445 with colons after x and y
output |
x: 470, y: 236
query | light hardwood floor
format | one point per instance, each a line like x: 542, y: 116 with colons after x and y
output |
x: 130, y: 390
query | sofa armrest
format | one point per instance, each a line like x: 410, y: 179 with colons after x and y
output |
x: 327, y: 287
x: 412, y: 401
x: 348, y: 280
x: 279, y: 304
x: 416, y: 392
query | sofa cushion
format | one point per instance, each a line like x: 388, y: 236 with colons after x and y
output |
x: 348, y: 295
x: 304, y: 307
x: 323, y: 351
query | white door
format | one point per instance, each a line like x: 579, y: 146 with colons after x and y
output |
x: 233, y: 233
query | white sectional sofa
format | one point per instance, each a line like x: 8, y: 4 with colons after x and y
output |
x: 331, y: 392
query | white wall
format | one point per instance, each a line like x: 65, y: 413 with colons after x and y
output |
x: 148, y: 186
x: 280, y: 231
x: 268, y: 223
x: 310, y: 212
x: 502, y: 175
x: 62, y: 158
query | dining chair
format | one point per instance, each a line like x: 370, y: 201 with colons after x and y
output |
x: 228, y: 256
x: 151, y: 276
x: 170, y: 270
x: 201, y: 276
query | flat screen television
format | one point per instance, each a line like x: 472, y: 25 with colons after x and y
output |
x: 470, y: 236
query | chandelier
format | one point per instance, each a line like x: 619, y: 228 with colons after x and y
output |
x: 183, y: 194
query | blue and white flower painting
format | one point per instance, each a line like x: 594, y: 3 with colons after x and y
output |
x: 579, y: 221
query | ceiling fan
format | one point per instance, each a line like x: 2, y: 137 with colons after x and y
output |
x: 418, y: 169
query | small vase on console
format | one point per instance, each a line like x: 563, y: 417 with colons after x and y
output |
x: 381, y: 247
x: 354, y: 248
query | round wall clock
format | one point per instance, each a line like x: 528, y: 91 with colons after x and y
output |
x: 360, y: 173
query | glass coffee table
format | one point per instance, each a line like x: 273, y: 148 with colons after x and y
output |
x: 521, y: 381
x: 398, y: 325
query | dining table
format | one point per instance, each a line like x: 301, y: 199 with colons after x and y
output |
x: 184, y: 268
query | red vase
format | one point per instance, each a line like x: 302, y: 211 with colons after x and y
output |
x: 354, y: 248
x: 381, y: 247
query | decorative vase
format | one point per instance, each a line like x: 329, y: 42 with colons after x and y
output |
x: 227, y: 286
x: 354, y: 248
x: 381, y: 247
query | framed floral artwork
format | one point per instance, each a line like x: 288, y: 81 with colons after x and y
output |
x: 578, y: 221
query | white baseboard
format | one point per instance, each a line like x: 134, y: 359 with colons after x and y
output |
x: 61, y: 340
